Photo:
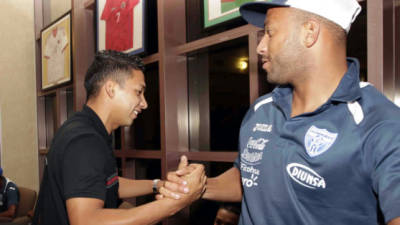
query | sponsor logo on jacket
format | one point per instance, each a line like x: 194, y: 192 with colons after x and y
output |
x: 251, y: 157
x: 262, y: 127
x: 249, y: 169
x: 317, y: 141
x: 257, y: 144
x: 305, y: 176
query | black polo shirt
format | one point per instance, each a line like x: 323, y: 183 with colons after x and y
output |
x: 80, y: 164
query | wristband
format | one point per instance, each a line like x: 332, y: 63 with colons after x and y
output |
x: 155, y: 189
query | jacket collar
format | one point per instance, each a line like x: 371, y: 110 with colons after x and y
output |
x: 347, y: 90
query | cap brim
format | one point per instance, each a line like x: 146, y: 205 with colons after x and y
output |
x: 254, y: 12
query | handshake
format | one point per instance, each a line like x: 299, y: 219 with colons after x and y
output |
x: 185, y: 185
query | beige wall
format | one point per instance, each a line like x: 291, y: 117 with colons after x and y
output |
x: 19, y: 153
x: 59, y: 8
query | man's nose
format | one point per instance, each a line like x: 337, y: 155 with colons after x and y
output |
x: 262, y: 46
x: 143, y: 103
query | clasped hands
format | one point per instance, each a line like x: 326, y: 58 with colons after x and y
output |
x: 186, y: 184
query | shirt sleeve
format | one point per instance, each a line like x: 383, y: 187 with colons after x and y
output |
x: 107, y: 10
x: 83, y: 168
x: 248, y: 115
x: 384, y: 147
x: 12, y: 195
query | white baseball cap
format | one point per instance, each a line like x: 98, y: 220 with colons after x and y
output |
x: 341, y: 12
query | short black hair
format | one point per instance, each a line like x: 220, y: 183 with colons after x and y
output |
x: 109, y: 64
x: 232, y: 207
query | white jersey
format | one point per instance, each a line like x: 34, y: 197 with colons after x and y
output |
x: 55, y: 54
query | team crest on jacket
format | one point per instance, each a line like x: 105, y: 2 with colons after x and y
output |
x: 317, y: 140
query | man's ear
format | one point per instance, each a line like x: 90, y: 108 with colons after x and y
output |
x: 311, y: 30
x: 109, y: 87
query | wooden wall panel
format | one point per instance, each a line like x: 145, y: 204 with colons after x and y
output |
x: 83, y: 48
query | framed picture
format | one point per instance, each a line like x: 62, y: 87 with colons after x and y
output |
x: 56, y: 52
x: 218, y: 11
x: 120, y: 25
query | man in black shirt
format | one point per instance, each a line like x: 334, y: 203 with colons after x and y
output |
x: 81, y: 184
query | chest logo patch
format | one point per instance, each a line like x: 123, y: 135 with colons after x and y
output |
x: 305, y: 176
x: 318, y: 141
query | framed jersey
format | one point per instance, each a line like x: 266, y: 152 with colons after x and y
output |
x: 120, y: 25
x: 218, y: 11
x: 56, y: 52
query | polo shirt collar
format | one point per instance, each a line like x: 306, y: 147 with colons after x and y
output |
x: 349, y: 87
x: 347, y: 90
x: 98, y: 124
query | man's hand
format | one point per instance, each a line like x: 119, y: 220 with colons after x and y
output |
x: 175, y: 185
x: 196, y: 183
x: 192, y: 174
x: 395, y: 221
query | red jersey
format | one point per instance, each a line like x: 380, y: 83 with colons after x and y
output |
x: 118, y: 15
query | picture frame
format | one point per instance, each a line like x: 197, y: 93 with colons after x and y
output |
x: 121, y: 25
x: 56, y: 52
x: 219, y: 11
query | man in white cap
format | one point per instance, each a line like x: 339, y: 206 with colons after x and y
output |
x: 323, y: 147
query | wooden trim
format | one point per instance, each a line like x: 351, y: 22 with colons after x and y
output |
x: 161, y: 69
x: 123, y: 166
x: 42, y: 164
x: 45, y: 93
x: 38, y: 15
x: 61, y: 107
x: 83, y: 49
x: 199, y: 103
x: 38, y: 63
x: 253, y: 67
x: 380, y: 46
x: 216, y: 39
x: 54, y: 121
x: 212, y: 156
x: 46, y: 13
x: 173, y: 81
x: 375, y: 43
x: 89, y: 4
x: 52, y: 91
x: 171, y: 20
x: 41, y: 122
x: 389, y: 60
x: 142, y: 154
x: 123, y: 140
x: 151, y: 58
x: 397, y: 51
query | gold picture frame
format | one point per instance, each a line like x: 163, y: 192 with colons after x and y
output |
x: 56, y: 52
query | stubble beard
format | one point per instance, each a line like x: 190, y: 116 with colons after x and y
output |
x: 288, y: 63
